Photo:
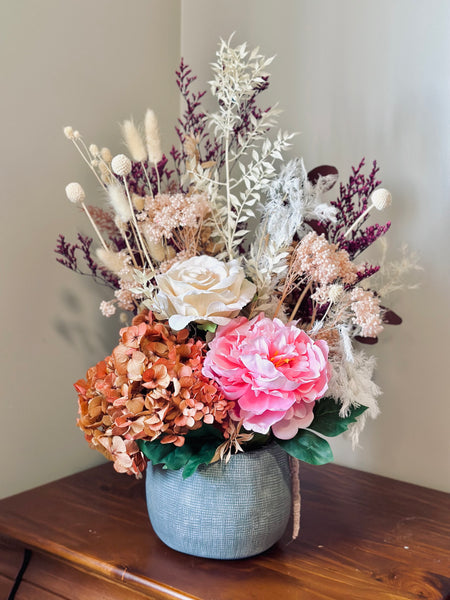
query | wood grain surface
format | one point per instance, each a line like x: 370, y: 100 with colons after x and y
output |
x: 362, y: 537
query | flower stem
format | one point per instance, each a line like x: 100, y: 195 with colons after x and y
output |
x: 299, y: 301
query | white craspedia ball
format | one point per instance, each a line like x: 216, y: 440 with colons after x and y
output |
x: 75, y: 192
x: 121, y: 165
x: 381, y: 198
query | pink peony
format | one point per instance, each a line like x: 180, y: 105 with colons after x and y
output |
x: 274, y: 372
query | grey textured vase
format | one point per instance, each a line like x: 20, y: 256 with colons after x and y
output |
x: 225, y: 510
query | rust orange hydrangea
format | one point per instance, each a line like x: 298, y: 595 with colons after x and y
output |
x: 151, y: 387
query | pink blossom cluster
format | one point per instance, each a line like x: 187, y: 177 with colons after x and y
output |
x: 273, y: 372
x: 322, y: 261
x: 165, y: 213
x: 366, y: 307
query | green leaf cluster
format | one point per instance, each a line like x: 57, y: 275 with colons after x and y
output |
x: 199, y: 448
x: 309, y: 444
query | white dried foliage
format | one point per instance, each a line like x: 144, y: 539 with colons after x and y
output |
x: 266, y: 267
x: 394, y: 275
x: 352, y: 386
x: 249, y: 159
x: 142, y: 287
x: 292, y: 200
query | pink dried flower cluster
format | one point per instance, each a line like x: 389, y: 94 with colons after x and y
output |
x: 366, y: 307
x: 151, y: 387
x: 165, y: 213
x: 323, y: 262
x: 274, y: 373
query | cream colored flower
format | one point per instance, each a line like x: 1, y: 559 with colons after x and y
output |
x: 203, y: 289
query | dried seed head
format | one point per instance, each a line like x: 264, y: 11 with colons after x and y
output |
x: 93, y: 149
x: 76, y: 135
x: 105, y: 153
x: 138, y: 202
x: 381, y: 198
x: 121, y: 165
x: 75, y: 193
x: 335, y: 292
x: 68, y: 132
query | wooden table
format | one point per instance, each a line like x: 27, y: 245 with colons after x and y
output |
x: 362, y: 537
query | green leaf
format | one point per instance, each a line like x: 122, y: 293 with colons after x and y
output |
x: 199, y: 448
x: 207, y: 326
x: 154, y: 451
x: 178, y: 458
x: 327, y: 420
x: 309, y: 447
x: 203, y: 457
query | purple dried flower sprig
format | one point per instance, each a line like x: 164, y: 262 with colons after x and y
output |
x: 68, y: 257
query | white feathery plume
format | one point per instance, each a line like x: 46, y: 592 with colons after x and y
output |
x: 292, y: 201
x: 133, y: 141
x: 351, y: 384
x: 152, y: 137
x: 346, y: 342
x: 119, y: 201
x: 114, y: 261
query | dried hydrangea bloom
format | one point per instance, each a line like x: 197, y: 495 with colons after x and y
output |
x: 151, y: 387
x: 366, y: 308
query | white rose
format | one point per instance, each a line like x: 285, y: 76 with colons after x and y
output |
x: 202, y: 289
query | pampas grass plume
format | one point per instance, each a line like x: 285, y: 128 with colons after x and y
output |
x: 119, y: 202
x: 152, y: 137
x: 134, y: 141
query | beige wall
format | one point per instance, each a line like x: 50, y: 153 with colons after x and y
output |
x: 357, y: 78
x: 89, y: 64
x: 363, y: 78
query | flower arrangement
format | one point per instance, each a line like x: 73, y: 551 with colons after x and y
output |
x: 246, y: 298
